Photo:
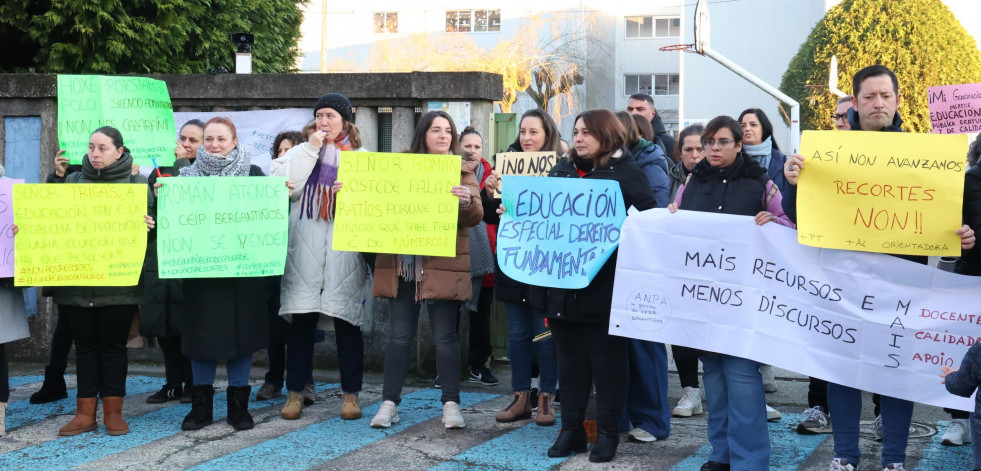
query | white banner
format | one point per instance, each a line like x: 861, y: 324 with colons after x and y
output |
x: 723, y: 284
x: 256, y: 129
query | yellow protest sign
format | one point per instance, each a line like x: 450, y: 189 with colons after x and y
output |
x: 898, y: 193
x: 397, y: 203
x: 79, y: 234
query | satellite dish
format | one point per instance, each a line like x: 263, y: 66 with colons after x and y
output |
x: 701, y: 26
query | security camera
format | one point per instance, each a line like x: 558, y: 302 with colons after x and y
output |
x: 244, y: 41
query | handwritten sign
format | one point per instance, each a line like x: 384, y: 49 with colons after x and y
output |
x: 6, y: 224
x: 79, y: 234
x: 397, y: 203
x: 756, y: 294
x: 881, y: 192
x: 138, y: 107
x: 558, y: 232
x: 955, y: 109
x: 222, y: 227
x: 534, y: 164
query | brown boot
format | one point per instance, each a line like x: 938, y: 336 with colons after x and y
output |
x: 351, y: 410
x: 293, y: 409
x: 84, y: 420
x: 520, y: 408
x: 112, y: 410
x: 546, y: 410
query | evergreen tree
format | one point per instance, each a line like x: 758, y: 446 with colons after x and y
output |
x: 920, y: 40
x: 146, y: 36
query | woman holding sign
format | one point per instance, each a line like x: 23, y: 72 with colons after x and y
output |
x: 320, y: 284
x: 443, y: 283
x: 224, y: 318
x: 536, y: 133
x: 729, y: 182
x: 13, y: 326
x: 99, y: 317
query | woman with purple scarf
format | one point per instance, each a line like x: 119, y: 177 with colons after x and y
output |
x: 320, y: 285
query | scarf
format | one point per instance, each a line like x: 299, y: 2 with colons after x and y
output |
x: 481, y: 257
x: 318, y: 196
x: 760, y: 152
x: 236, y: 164
x: 118, y: 170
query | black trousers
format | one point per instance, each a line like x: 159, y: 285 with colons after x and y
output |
x: 61, y: 343
x: 299, y: 352
x: 100, y: 347
x: 686, y: 359
x: 279, y: 330
x: 4, y: 375
x: 817, y: 394
x: 588, y: 356
x: 480, y: 345
x: 176, y: 366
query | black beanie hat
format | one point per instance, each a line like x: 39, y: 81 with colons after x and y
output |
x: 336, y: 102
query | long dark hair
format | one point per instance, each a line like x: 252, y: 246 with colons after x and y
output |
x: 607, y: 129
x: 764, y: 123
x: 553, y: 141
x: 630, y: 126
x: 292, y: 136
x: 419, y: 136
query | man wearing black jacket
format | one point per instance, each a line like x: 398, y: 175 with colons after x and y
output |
x: 643, y: 104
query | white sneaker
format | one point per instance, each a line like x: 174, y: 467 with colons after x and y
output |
x: 3, y: 419
x: 769, y: 382
x: 840, y: 464
x: 877, y: 430
x: 772, y: 415
x: 690, y: 403
x: 957, y: 434
x: 387, y: 415
x: 451, y: 416
x: 640, y: 435
x: 895, y: 467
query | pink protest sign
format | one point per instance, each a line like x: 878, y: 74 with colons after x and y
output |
x: 6, y: 223
x: 955, y: 109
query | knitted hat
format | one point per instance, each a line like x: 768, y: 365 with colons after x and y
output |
x: 336, y: 102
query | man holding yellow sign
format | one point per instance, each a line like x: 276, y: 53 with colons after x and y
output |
x: 879, y: 188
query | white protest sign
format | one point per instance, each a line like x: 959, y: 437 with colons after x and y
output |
x: 256, y: 129
x: 723, y: 284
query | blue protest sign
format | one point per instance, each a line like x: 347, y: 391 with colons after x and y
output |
x: 558, y: 232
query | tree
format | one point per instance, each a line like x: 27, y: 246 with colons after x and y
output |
x: 147, y: 36
x: 920, y: 40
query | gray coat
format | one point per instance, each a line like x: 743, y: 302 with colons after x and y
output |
x: 13, y: 315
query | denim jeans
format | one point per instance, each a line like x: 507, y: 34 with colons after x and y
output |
x: 647, y: 392
x: 896, y: 417
x: 523, y: 326
x: 736, y: 403
x: 238, y: 370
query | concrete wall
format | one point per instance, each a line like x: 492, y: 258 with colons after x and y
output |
x: 35, y: 95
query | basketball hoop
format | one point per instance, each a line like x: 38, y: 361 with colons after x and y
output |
x: 680, y: 47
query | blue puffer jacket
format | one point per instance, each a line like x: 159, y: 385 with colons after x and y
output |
x: 651, y: 160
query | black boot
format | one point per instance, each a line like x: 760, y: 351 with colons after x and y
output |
x: 569, y: 441
x: 605, y: 448
x: 53, y: 388
x: 202, y: 408
x: 238, y: 408
x: 715, y: 466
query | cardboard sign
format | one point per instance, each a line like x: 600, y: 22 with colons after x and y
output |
x: 79, y: 234
x: 222, y: 227
x: 138, y: 107
x: 955, y: 109
x: 535, y: 164
x: 558, y: 232
x: 6, y: 223
x: 869, y: 321
x: 397, y: 203
x: 884, y: 192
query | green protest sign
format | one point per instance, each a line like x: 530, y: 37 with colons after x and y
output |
x: 138, y: 107
x: 222, y: 227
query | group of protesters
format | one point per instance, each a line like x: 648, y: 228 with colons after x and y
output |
x: 729, y: 166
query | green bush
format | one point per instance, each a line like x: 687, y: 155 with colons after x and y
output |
x: 920, y: 40
x: 146, y: 36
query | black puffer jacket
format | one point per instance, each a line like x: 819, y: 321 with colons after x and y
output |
x: 736, y: 189
x: 970, y: 261
x: 592, y: 303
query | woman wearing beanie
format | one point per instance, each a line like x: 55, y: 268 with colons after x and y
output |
x: 321, y: 285
x: 100, y: 317
x: 443, y: 283
x: 224, y: 318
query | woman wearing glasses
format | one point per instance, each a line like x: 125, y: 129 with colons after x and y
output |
x: 727, y: 181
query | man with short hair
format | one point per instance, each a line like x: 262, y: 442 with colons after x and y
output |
x: 875, y: 101
x: 643, y: 104
x: 840, y: 116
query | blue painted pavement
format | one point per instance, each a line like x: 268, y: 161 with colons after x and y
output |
x: 69, y: 452
x: 788, y: 449
x: 937, y: 457
x: 335, y: 437
x: 23, y: 413
x: 523, y: 449
x: 22, y: 380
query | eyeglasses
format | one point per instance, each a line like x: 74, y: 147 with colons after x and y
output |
x: 723, y: 143
x: 837, y: 116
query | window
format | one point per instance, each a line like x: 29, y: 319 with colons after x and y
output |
x: 473, y: 21
x: 649, y: 27
x: 386, y: 22
x: 657, y: 84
